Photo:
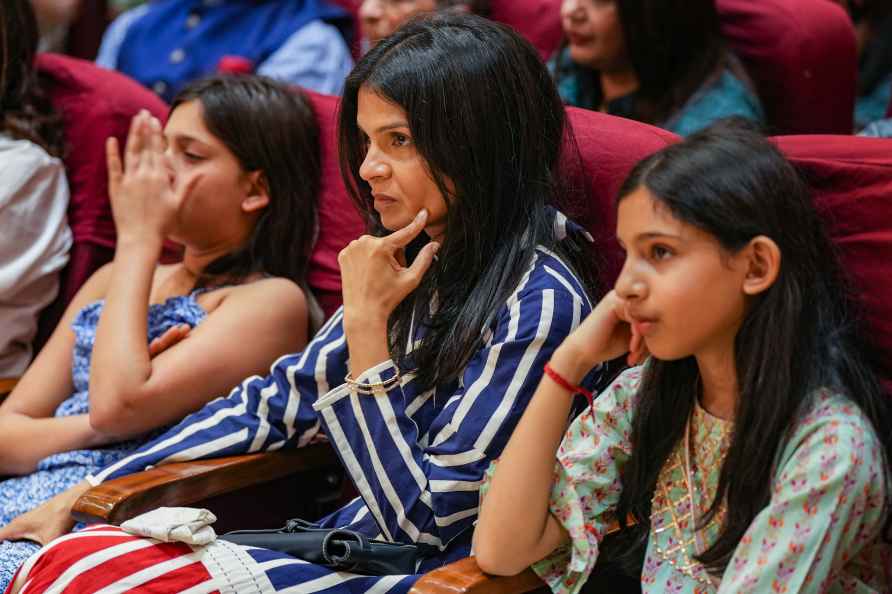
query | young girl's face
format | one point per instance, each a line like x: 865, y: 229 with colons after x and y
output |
x: 683, y: 292
x: 398, y: 175
x: 594, y: 33
x: 214, y: 205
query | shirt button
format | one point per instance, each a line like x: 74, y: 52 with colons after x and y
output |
x: 159, y: 87
x: 193, y: 21
x: 177, y: 56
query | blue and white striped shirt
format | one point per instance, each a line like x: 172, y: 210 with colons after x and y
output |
x: 416, y: 457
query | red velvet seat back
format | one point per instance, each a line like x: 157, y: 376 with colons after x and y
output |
x: 801, y: 56
x: 850, y: 179
x: 339, y: 221
x: 537, y: 20
x: 94, y: 103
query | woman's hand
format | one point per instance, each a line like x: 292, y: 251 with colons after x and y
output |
x: 173, y: 336
x: 375, y: 280
x: 48, y: 521
x: 143, y: 200
x: 374, y: 274
x: 605, y: 334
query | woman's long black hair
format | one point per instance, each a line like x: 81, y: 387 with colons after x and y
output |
x: 800, y: 335
x: 270, y: 128
x: 674, y: 47
x: 25, y: 111
x: 486, y: 118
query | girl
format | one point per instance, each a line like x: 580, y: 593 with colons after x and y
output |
x: 420, y: 378
x: 34, y: 196
x: 243, y: 205
x: 751, y: 448
x: 657, y: 61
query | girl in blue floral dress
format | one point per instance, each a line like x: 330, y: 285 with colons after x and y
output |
x: 147, y: 344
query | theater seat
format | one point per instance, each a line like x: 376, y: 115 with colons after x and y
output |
x: 537, y: 20
x: 94, y: 103
x: 801, y: 55
x: 339, y: 221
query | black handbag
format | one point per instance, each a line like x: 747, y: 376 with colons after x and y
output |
x: 344, y: 550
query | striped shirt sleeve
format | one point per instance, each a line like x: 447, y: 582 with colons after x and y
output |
x: 424, y: 488
x: 261, y: 414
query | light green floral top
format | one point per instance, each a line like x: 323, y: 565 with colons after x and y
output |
x: 819, y: 533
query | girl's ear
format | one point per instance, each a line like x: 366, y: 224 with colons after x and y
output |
x: 258, y: 193
x: 764, y: 262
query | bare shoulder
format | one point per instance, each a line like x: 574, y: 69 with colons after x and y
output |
x: 275, y: 297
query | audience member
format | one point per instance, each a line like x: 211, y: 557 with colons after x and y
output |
x: 420, y: 378
x: 658, y: 61
x: 167, y: 43
x: 873, y: 25
x: 35, y: 239
x: 243, y: 204
x: 752, y: 447
x: 380, y: 18
x: 53, y: 19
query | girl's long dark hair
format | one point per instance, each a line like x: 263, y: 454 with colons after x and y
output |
x: 486, y: 118
x: 25, y: 111
x: 674, y: 47
x: 802, y: 334
x: 270, y: 128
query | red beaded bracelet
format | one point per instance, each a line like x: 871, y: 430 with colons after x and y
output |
x: 559, y: 380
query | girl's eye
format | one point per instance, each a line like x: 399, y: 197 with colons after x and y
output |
x: 192, y: 156
x: 660, y: 252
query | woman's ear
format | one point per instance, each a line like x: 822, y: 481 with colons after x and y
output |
x: 763, y: 266
x: 258, y: 193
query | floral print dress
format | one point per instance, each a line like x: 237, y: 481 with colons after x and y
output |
x: 819, y: 533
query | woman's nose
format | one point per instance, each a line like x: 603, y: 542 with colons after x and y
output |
x: 373, y: 166
x: 629, y: 284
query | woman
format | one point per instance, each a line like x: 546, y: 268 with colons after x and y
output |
x: 34, y: 194
x: 380, y: 18
x: 466, y: 285
x: 752, y: 449
x: 656, y: 61
x: 243, y: 205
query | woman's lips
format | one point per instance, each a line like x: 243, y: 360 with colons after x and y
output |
x: 577, y: 39
x: 383, y: 200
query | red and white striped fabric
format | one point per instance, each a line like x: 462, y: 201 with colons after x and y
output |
x: 106, y: 559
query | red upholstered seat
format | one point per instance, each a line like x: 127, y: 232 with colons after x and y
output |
x: 850, y: 178
x: 537, y: 20
x: 801, y: 56
x: 95, y: 103
x: 339, y: 222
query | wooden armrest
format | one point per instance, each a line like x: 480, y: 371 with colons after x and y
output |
x: 466, y: 577
x: 7, y: 384
x: 186, y: 483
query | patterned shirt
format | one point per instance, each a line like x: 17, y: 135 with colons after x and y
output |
x: 820, y: 531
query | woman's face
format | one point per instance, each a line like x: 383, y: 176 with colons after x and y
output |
x: 215, y: 204
x: 594, y: 34
x: 398, y: 175
x: 683, y: 291
x: 380, y: 18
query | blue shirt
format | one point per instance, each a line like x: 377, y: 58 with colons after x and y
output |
x: 721, y: 96
x: 297, y: 45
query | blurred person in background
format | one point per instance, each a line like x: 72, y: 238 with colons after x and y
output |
x: 380, y: 18
x: 167, y: 43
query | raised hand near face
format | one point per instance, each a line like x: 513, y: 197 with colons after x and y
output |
x: 374, y: 273
x: 143, y: 198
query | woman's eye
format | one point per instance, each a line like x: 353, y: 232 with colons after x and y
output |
x: 400, y: 140
x: 192, y: 156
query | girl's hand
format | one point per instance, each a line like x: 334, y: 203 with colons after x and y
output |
x: 374, y: 274
x: 48, y: 521
x: 174, y: 335
x: 143, y: 200
x: 604, y: 335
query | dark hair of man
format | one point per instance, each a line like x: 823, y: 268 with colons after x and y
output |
x: 270, y: 128
x: 799, y: 336
x: 484, y: 115
x: 25, y: 112
x: 674, y: 46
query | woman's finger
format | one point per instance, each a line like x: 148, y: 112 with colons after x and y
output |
x: 402, y: 237
x: 422, y: 263
x: 156, y: 143
x: 134, y: 141
x: 171, y: 337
